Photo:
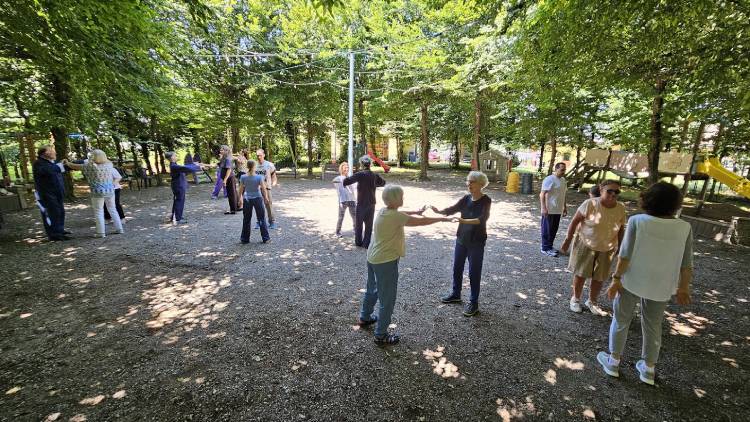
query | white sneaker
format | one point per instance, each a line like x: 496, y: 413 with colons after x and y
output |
x: 610, y: 368
x: 647, y: 374
x: 595, y: 308
x: 575, y: 305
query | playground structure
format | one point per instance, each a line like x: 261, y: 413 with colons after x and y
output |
x: 635, y: 166
x: 495, y: 165
x: 381, y: 163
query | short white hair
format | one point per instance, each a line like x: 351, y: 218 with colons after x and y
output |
x: 479, y: 177
x: 392, y: 194
x: 99, y: 157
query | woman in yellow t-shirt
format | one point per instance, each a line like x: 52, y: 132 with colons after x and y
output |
x: 599, y: 224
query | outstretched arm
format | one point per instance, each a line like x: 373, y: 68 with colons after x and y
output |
x: 425, y: 221
x: 450, y: 210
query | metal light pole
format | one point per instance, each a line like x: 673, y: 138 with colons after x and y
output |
x: 351, y: 112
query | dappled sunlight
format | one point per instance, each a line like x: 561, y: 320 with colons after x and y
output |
x: 440, y: 364
x: 568, y: 364
x: 686, y: 324
x: 182, y: 305
x: 509, y: 409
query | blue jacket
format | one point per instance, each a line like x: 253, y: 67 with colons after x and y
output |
x: 178, y: 172
x: 48, y: 179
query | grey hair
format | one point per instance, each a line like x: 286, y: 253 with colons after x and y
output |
x: 392, y: 194
x: 365, y: 161
x: 169, y: 154
x: 478, y: 176
x: 98, y: 156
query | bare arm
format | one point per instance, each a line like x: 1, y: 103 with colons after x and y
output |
x: 425, y: 221
x: 683, y: 288
x: 73, y: 166
x: 470, y: 221
x: 577, y: 219
x: 543, y: 201
x: 616, y: 286
x: 264, y: 190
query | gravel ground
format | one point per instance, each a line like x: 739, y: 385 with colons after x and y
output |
x: 185, y: 323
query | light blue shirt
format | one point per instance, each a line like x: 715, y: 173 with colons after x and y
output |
x: 252, y: 185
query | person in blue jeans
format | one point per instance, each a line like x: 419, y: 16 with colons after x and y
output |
x: 471, y: 237
x: 387, y: 247
x: 253, y: 191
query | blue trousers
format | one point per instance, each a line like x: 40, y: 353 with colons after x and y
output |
x: 56, y: 214
x: 382, y: 283
x: 247, y: 215
x: 178, y: 205
x: 550, y: 224
x: 475, y: 255
x: 219, y: 185
x: 363, y: 216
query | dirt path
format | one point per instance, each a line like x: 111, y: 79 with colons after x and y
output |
x: 185, y: 323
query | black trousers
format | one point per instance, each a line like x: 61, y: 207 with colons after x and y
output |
x: 55, y: 211
x: 120, y: 211
x: 231, y: 187
x: 363, y: 216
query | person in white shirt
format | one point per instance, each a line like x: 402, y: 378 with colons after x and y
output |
x: 346, y: 194
x: 387, y: 247
x: 552, y: 199
x: 268, y: 170
x: 655, y: 262
x: 121, y: 212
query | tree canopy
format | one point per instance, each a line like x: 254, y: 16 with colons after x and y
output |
x: 138, y: 76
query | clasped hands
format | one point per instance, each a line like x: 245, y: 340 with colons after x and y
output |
x: 435, y: 210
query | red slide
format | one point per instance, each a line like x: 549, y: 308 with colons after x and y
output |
x: 380, y: 162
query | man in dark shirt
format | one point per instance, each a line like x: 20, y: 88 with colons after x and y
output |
x: 367, y: 182
x: 50, y: 190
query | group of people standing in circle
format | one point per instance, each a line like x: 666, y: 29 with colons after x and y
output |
x: 653, y: 248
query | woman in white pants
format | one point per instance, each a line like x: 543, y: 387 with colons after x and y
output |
x: 655, y: 263
x: 98, y: 172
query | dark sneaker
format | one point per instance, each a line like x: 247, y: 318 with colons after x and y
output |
x: 471, y: 309
x: 451, y: 298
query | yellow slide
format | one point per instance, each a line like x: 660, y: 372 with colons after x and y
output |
x: 713, y: 168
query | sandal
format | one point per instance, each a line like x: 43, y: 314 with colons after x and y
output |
x: 387, y: 339
x: 366, y: 323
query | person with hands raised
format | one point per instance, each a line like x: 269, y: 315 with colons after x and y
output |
x: 387, y: 247
x: 655, y: 262
x: 471, y: 237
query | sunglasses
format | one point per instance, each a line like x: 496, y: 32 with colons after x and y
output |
x: 613, y: 191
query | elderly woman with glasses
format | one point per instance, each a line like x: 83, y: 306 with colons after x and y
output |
x: 599, y: 224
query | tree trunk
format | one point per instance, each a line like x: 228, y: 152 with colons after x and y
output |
x: 118, y: 149
x: 684, y: 133
x: 61, y: 97
x: 399, y: 151
x: 4, y: 168
x: 160, y: 160
x: 456, y: 152
x: 136, y: 161
x: 657, y: 110
x: 310, y: 135
x: 702, y: 196
x: 291, y: 132
x: 477, y: 132
x: 146, y: 158
x: 541, y: 157
x: 362, y: 125
x: 694, y: 151
x: 553, y: 153
x: 425, y: 142
x: 24, y: 161
x: 30, y: 150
